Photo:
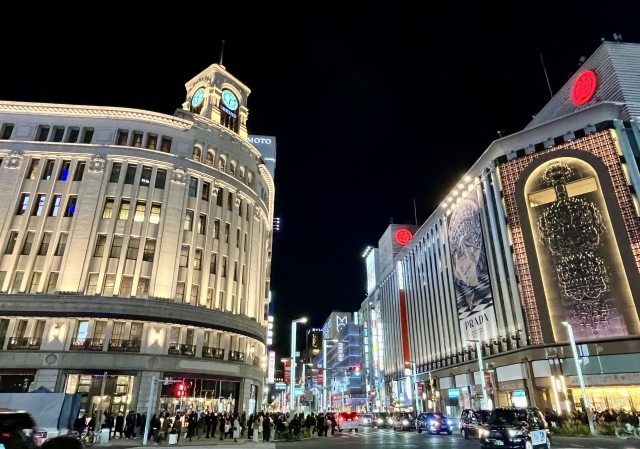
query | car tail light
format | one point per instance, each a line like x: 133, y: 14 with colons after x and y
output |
x: 341, y: 418
x: 357, y: 418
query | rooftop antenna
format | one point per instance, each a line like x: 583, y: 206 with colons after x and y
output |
x: 415, y: 211
x: 501, y: 133
x: 221, y: 52
x: 546, y: 76
x: 617, y: 37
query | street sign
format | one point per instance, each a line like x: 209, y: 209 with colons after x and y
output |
x: 299, y: 391
x: 454, y: 393
x: 280, y: 386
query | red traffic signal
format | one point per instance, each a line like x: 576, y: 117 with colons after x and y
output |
x: 180, y: 390
x: 333, y: 398
x: 301, y: 398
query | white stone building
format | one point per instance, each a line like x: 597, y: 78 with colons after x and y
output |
x: 137, y: 244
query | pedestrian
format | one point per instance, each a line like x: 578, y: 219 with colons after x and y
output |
x: 327, y: 424
x: 320, y: 423
x: 78, y: 424
x: 208, y: 421
x: 177, y: 426
x: 228, y: 426
x: 243, y: 423
x: 154, y: 428
x: 256, y: 429
x: 119, y: 425
x: 192, y: 424
x: 266, y: 428
x: 201, y: 425
x: 222, y: 426
x: 139, y: 426
x: 236, y: 429
x: 214, y: 424
x: 92, y: 423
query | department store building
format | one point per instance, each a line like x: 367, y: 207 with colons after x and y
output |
x: 542, y: 230
x: 136, y: 244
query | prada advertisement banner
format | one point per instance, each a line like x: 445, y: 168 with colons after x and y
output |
x: 579, y: 260
x: 471, y: 272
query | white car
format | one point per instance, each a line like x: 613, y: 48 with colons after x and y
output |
x: 348, y: 421
x: 366, y: 420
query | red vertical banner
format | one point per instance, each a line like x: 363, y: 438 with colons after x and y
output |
x: 487, y: 379
x: 287, y: 372
x: 404, y: 322
x: 321, y: 378
x: 420, y: 389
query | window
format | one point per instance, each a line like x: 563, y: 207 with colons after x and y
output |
x: 124, y: 209
x: 248, y: 211
x: 53, y: 281
x: 71, y: 206
x: 212, y: 264
x: 62, y: 244
x: 24, y: 202
x: 28, y: 243
x: 17, y: 283
x: 250, y: 179
x: 7, y: 129
x: 161, y: 176
x: 48, y: 170
x: 166, y: 145
x: 154, y: 216
x: 216, y: 229
x: 107, y: 211
x: 109, y: 285
x: 101, y: 242
x: 137, y: 139
x: 238, y: 238
x: 142, y: 292
x: 235, y: 271
x: 125, y: 286
x: 196, y: 154
x: 141, y: 206
x: 184, y: 256
x: 44, y: 244
x: 202, y: 224
x: 152, y: 141
x: 58, y: 134
x: 134, y: 245
x: 43, y: 133
x: 197, y: 261
x: 92, y: 284
x: 226, y: 233
x: 88, y: 135
x: 64, y: 171
x: 241, y: 174
x: 193, y: 187
x: 232, y: 168
x: 116, y: 168
x: 39, y: 207
x: 35, y: 281
x: 246, y: 239
x: 210, y: 158
x: 180, y: 291
x: 131, y: 174
x: 116, y: 246
x: 77, y: 176
x: 145, y: 178
x: 206, y: 187
x: 74, y: 133
x: 55, y: 206
x: 224, y: 267
x: 123, y: 136
x: 210, y: 305
x: 149, y: 250
x: 11, y: 243
x: 188, y: 220
x: 229, y: 200
x: 240, y: 209
x: 33, y: 169
x: 195, y: 289
x: 221, y: 304
x: 243, y: 278
x: 222, y: 163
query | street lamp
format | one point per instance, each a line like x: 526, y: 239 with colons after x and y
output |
x: 324, y: 369
x: 292, y: 380
x: 482, y: 380
x: 587, y: 410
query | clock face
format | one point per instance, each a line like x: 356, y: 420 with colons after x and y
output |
x: 197, y: 98
x: 229, y: 100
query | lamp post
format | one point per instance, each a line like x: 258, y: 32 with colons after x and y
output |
x: 292, y: 380
x: 481, y: 365
x: 324, y: 369
x: 587, y: 410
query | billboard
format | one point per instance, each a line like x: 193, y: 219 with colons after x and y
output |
x: 271, y: 367
x: 287, y: 372
x: 471, y: 272
x: 266, y: 145
x: 372, y: 268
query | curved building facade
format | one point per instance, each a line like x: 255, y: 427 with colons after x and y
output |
x: 135, y: 244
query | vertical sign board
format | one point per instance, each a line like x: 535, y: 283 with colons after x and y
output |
x: 287, y: 372
x: 321, y: 377
x: 404, y: 322
x: 471, y: 272
x: 371, y: 270
x: 266, y: 145
x: 271, y: 367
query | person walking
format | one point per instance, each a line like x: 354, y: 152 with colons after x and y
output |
x: 320, y: 423
x: 214, y: 424
x: 119, y: 425
x: 256, y: 428
x: 266, y: 428
x: 130, y: 425
x: 208, y: 419
x: 166, y: 425
x: 249, y: 428
x: 143, y: 422
x: 222, y: 426
x: 327, y: 424
x: 243, y: 423
x: 236, y: 429
x: 177, y: 427
x: 139, y: 425
x: 193, y: 423
x: 154, y: 428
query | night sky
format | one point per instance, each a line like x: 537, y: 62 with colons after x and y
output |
x: 372, y: 106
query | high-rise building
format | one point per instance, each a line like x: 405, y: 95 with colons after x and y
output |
x: 136, y: 244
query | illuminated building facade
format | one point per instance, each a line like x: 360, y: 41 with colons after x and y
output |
x: 137, y: 244
x: 543, y: 229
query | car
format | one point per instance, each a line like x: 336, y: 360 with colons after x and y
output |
x: 367, y: 420
x: 383, y: 419
x: 348, y: 421
x: 434, y: 423
x: 516, y: 428
x: 403, y: 421
x: 18, y: 429
x: 471, y: 421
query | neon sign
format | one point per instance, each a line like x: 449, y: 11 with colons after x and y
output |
x: 583, y: 88
x: 403, y: 236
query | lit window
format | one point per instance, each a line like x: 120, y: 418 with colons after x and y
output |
x: 188, y: 220
x: 35, y: 281
x: 92, y: 284
x: 109, y: 285
x: 24, y: 203
x: 140, y: 209
x: 55, y: 206
x: 62, y: 244
x: 71, y: 206
x: 142, y: 292
x: 40, y: 199
x: 154, y: 216
x: 125, y: 286
x: 124, y: 210
x: 116, y: 246
x: 107, y: 211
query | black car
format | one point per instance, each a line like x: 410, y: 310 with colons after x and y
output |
x: 472, y: 421
x: 516, y: 428
x: 433, y: 423
x: 403, y: 421
x: 382, y: 420
x: 18, y: 430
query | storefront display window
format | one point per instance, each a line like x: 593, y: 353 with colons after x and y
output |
x: 117, y: 392
x: 201, y: 394
x: 613, y: 398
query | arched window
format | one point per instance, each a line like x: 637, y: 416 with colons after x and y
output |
x: 210, y: 157
x: 196, y: 153
x: 222, y: 163
x: 241, y: 174
x: 232, y: 170
x: 250, y: 179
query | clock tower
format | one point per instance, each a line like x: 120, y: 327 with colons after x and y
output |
x: 220, y: 97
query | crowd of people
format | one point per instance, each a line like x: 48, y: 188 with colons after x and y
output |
x: 600, y: 416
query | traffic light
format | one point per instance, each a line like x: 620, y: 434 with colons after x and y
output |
x: 333, y: 398
x: 356, y: 371
x: 180, y: 390
x: 301, y: 398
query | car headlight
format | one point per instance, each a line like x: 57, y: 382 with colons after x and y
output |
x: 449, y: 421
x: 513, y: 432
x: 405, y: 422
x: 485, y: 432
x: 380, y: 420
x: 390, y: 420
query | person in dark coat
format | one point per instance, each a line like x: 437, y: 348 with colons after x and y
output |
x: 129, y: 430
x: 249, y: 424
x: 208, y: 421
x: 214, y: 424
x: 222, y: 423
x: 78, y: 424
x: 119, y: 425
x: 193, y: 423
x: 266, y: 428
x: 139, y: 425
x: 109, y: 422
x: 92, y: 423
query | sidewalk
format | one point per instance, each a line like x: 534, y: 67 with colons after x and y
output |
x: 243, y: 442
